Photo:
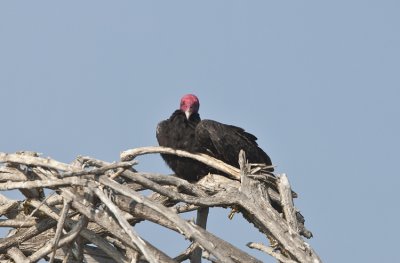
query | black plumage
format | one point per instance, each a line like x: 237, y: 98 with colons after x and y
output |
x: 186, y: 131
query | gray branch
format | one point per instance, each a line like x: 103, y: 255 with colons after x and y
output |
x: 104, y: 201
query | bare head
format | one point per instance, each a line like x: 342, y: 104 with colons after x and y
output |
x: 190, y: 104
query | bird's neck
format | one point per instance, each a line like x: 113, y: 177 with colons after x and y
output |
x: 194, y: 118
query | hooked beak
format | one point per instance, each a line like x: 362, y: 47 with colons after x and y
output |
x: 188, y: 113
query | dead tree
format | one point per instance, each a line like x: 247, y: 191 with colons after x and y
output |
x: 87, y: 210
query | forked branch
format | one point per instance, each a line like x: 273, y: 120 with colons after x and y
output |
x: 96, y: 205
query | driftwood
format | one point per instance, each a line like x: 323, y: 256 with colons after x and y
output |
x: 87, y: 210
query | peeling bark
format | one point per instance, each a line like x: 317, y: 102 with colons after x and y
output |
x: 94, y: 207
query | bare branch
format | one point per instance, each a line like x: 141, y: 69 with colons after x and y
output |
x: 287, y: 202
x: 34, y: 161
x: 60, y: 225
x: 86, y: 233
x: 16, y: 255
x: 184, y: 227
x: 101, y: 170
x: 95, y: 215
x: 186, y: 254
x: 210, y: 161
x: 270, y: 251
x: 147, y: 252
x: 68, y: 238
x: 18, y: 223
x: 22, y: 236
x: 42, y: 183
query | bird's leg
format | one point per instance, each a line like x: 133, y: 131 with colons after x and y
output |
x: 201, y: 221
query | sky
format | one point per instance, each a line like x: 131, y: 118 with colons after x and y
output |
x: 316, y: 81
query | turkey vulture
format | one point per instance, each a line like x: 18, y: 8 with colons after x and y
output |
x: 185, y: 130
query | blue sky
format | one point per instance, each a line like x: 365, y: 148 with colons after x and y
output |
x: 316, y: 82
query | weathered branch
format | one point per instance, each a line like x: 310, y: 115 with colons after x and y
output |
x: 147, y: 252
x: 258, y: 210
x: 287, y: 202
x: 96, y: 203
x: 42, y: 183
x: 100, y: 170
x: 210, y: 161
x: 60, y: 227
x: 33, y: 161
x: 16, y: 255
x: 67, y: 239
x: 270, y: 251
x: 185, y: 228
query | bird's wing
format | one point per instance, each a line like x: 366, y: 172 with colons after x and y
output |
x: 224, y: 142
x: 162, y: 134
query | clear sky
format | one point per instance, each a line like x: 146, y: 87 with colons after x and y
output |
x: 318, y: 82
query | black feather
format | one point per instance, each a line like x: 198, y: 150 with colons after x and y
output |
x: 219, y: 140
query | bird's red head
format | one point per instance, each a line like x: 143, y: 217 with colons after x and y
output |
x: 190, y: 104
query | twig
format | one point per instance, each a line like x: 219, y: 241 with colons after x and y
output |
x: 11, y: 173
x: 202, y: 201
x: 110, y: 225
x: 182, y: 185
x: 185, y: 208
x: 270, y: 251
x: 18, y: 223
x: 42, y: 183
x: 109, y: 214
x: 7, y: 205
x: 258, y: 210
x: 184, y: 226
x: 60, y: 224
x: 86, y: 233
x: 34, y: 161
x: 26, y: 234
x: 67, y: 255
x: 68, y: 238
x: 100, y: 170
x: 127, y: 228
x: 41, y: 203
x: 186, y: 254
x: 287, y: 202
x: 208, y: 160
x: 16, y: 255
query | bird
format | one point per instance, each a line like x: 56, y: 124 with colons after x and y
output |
x: 184, y: 130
